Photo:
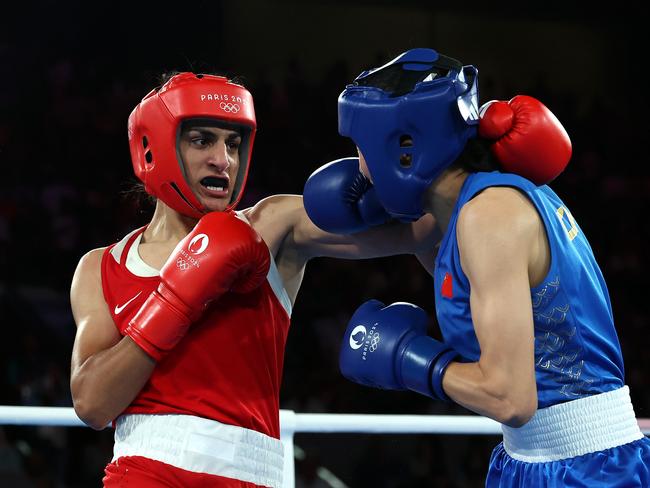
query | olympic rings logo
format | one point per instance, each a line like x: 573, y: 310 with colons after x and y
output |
x: 374, y: 342
x: 232, y: 108
x: 182, y: 264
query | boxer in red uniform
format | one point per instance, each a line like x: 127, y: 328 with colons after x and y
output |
x: 182, y: 324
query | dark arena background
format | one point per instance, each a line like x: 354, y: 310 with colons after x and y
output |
x: 71, y: 73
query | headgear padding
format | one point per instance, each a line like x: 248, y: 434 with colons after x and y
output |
x: 411, y: 119
x: 155, y: 127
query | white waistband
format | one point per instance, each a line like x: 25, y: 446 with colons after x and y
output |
x: 201, y: 446
x: 574, y: 428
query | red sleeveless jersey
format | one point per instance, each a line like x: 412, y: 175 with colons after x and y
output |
x: 229, y: 365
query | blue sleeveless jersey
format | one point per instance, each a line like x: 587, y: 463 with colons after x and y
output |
x: 577, y: 352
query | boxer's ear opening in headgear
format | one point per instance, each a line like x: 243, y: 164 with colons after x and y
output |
x: 406, y: 158
x: 406, y: 140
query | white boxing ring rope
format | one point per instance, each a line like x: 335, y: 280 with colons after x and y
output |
x: 292, y: 422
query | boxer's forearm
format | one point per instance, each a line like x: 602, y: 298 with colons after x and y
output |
x: 492, y: 395
x: 106, y: 383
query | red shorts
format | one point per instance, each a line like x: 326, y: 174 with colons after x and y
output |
x: 140, y: 472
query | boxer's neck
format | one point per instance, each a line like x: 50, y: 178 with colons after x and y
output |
x: 167, y: 225
x: 441, y: 197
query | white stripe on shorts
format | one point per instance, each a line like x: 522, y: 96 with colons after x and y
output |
x: 202, y: 446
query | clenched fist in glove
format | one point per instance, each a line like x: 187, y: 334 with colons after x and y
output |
x: 387, y: 347
x: 528, y: 139
x: 339, y: 199
x: 222, y: 253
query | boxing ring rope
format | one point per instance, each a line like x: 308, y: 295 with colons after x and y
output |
x: 292, y: 422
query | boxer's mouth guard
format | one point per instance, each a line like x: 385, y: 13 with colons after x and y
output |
x: 215, y: 183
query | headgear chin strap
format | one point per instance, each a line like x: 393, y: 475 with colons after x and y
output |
x: 411, y: 119
x: 154, y: 132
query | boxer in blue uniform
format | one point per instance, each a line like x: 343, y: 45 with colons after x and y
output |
x: 529, y: 335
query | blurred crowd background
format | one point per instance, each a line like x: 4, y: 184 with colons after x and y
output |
x: 72, y: 72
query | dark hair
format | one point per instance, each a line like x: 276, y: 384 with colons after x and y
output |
x: 136, y: 193
x: 165, y: 76
x: 476, y: 157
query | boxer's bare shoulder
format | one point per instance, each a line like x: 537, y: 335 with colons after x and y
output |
x: 274, y: 217
x: 86, y: 286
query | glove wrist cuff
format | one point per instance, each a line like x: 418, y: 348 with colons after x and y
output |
x: 158, y: 326
x: 438, y: 372
x: 423, y: 366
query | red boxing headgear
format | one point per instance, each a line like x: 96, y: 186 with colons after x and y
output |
x: 154, y: 131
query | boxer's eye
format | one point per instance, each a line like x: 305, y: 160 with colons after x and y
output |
x: 199, y: 141
x: 233, y: 143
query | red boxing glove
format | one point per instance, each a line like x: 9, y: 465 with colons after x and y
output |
x: 222, y: 253
x: 529, y: 140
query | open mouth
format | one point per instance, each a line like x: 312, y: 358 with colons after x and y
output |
x: 215, y: 183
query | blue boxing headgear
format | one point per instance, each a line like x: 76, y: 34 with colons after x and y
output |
x: 411, y: 119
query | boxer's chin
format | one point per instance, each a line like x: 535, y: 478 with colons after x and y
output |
x: 215, y: 204
x: 213, y: 199
x: 363, y: 166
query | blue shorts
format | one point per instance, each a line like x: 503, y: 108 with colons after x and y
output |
x: 593, y: 441
x: 624, y: 466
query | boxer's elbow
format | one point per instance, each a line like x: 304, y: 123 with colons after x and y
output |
x: 515, y: 409
x: 91, y: 415
x: 517, y: 413
x: 510, y: 392
x: 512, y: 404
x: 89, y: 408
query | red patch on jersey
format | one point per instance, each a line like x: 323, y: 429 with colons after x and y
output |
x: 447, y: 286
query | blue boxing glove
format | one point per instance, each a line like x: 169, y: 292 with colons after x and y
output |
x: 340, y: 200
x: 387, y: 347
